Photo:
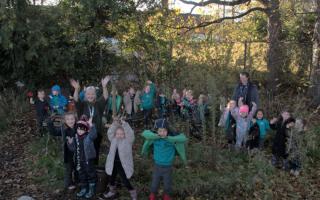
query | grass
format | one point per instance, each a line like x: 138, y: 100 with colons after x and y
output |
x: 212, y: 173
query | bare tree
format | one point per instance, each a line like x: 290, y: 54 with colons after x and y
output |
x: 271, y: 9
x: 315, y: 72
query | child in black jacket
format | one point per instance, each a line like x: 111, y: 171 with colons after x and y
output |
x: 42, y: 109
x: 70, y: 175
x: 281, y: 125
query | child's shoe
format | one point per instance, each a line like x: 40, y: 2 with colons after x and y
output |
x: 82, y: 192
x: 71, y: 187
x: 133, y: 194
x: 91, y: 192
x: 152, y: 196
x: 111, y: 194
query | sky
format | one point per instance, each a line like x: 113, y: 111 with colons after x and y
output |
x: 173, y: 4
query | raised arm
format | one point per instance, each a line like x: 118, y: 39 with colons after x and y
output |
x: 181, y: 138
x: 112, y: 130
x: 76, y: 85
x: 104, y: 83
x: 253, y: 110
x: 149, y: 135
x: 128, y: 131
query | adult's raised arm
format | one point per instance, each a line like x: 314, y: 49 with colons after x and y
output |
x: 76, y: 85
x: 104, y: 83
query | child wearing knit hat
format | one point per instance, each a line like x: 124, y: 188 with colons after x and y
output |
x: 243, y: 118
x: 165, y: 145
x: 85, y: 153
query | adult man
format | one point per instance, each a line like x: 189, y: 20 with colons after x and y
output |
x: 246, y: 90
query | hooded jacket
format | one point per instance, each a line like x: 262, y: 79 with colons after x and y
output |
x: 147, y: 99
x: 58, y: 102
x: 124, y: 147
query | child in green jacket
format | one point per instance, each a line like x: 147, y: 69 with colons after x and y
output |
x: 147, y: 102
x: 165, y: 145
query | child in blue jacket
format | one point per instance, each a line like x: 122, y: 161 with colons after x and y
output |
x: 58, y: 102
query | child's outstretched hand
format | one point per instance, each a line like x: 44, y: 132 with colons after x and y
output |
x: 105, y: 81
x: 75, y: 84
x: 70, y: 139
x: 290, y: 125
x: 274, y: 120
x: 90, y: 122
x: 254, y: 121
x: 254, y: 104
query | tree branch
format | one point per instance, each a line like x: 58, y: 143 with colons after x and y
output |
x: 208, y: 23
x: 218, y: 2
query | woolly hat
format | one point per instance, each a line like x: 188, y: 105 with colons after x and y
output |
x: 161, y: 123
x: 56, y: 88
x: 244, y: 109
x: 83, y: 122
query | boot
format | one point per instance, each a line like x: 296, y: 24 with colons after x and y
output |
x: 166, y: 197
x: 133, y: 194
x: 112, y: 192
x: 82, y: 192
x: 92, y: 191
x: 152, y: 196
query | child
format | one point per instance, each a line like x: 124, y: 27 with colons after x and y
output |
x: 228, y: 122
x: 243, y: 119
x: 85, y: 153
x: 109, y: 107
x: 202, y: 108
x: 58, y: 102
x: 162, y: 104
x: 253, y: 136
x: 165, y: 145
x: 147, y: 102
x: 295, y: 142
x: 176, y: 99
x: 42, y: 109
x: 69, y: 164
x: 120, y: 159
x: 264, y: 127
x: 282, y: 125
x: 131, y: 101
x: 188, y: 104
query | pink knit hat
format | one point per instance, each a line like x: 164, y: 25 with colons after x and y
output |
x: 244, y: 109
x: 83, y: 122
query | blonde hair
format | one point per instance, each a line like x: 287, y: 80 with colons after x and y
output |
x: 70, y: 113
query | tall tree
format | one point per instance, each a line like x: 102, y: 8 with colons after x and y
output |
x: 274, y: 27
x: 315, y: 72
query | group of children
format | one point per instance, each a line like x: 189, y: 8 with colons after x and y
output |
x: 245, y: 127
x: 79, y: 136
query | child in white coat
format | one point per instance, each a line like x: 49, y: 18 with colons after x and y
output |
x: 120, y: 159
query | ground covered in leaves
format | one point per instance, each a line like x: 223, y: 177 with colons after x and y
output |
x: 32, y: 165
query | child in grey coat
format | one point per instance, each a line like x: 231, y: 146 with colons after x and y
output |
x: 120, y: 159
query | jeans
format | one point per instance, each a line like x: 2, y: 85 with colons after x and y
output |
x: 166, y: 173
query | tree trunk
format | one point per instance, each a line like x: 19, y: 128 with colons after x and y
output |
x: 315, y: 72
x: 274, y: 52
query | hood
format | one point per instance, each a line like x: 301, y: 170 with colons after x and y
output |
x: 56, y: 88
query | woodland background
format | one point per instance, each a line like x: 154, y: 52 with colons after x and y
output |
x: 278, y: 42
